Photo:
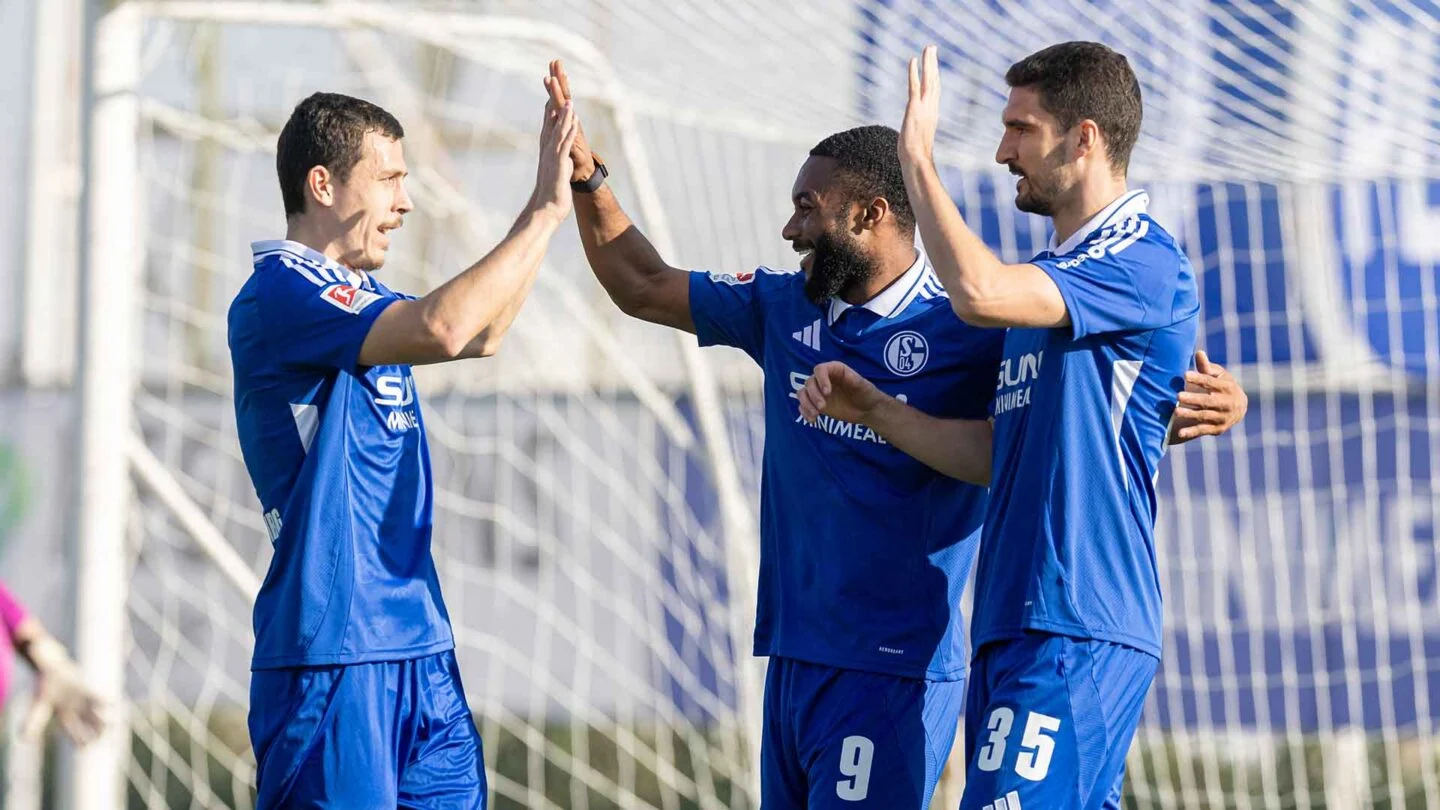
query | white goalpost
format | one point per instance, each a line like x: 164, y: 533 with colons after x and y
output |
x: 597, y: 481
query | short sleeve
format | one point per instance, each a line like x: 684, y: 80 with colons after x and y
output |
x: 1124, y: 279
x: 320, y: 326
x: 728, y: 311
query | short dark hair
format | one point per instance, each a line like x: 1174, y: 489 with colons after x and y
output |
x: 1080, y: 80
x: 868, y: 160
x: 326, y: 129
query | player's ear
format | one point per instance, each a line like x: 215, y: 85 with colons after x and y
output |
x: 874, y: 213
x: 320, y: 185
x: 1087, y: 138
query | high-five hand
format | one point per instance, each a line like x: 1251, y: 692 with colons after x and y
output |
x: 922, y: 113
x: 558, y: 83
x: 557, y: 138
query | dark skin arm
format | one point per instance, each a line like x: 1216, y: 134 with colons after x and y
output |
x: 630, y: 269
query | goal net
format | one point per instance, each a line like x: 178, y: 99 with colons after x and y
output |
x: 597, y: 481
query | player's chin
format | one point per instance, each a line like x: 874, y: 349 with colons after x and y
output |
x: 1033, y: 204
x: 375, y: 256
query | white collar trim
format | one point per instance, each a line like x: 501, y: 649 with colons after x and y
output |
x: 892, y: 300
x: 340, y: 273
x: 1127, y: 205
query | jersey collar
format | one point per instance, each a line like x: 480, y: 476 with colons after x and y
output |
x: 892, y: 300
x: 1123, y: 207
x: 313, y: 258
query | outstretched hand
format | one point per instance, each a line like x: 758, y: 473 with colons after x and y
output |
x: 558, y: 83
x: 557, y: 137
x: 922, y: 113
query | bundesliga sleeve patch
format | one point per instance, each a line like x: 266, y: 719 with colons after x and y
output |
x: 350, y: 299
x: 732, y: 278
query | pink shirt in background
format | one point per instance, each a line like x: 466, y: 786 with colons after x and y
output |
x: 12, y: 613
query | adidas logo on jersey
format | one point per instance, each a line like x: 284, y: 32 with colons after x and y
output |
x: 1010, y: 801
x: 810, y: 335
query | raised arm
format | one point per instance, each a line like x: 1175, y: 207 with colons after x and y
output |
x: 959, y: 448
x: 632, y: 272
x: 984, y: 291
x: 468, y: 315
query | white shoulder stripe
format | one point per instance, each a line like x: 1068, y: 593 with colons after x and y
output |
x: 316, y: 273
x: 1112, y: 234
x: 1136, y: 232
x: 930, y: 287
x: 267, y: 254
x: 300, y: 268
x: 324, y: 272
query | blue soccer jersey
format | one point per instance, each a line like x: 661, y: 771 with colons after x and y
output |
x: 1081, y: 416
x: 337, y: 454
x: 864, y: 550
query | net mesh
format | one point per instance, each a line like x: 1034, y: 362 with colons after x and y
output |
x: 582, y: 541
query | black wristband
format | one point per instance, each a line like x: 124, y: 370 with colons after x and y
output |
x: 594, y: 181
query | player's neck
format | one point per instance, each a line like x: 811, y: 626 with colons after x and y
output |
x: 1089, y: 199
x: 314, y: 236
x: 892, y: 266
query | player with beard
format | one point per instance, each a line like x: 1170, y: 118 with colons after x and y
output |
x: 864, y: 549
x: 1100, y: 328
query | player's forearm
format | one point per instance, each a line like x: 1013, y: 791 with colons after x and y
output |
x: 958, y: 448
x: 487, y: 343
x: 470, y: 313
x: 970, y: 272
x: 33, y: 642
x: 624, y: 261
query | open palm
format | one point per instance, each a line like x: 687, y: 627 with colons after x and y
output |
x: 922, y: 113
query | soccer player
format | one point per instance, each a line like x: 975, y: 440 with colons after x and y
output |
x: 356, y: 700
x: 864, y: 550
x: 1100, y: 329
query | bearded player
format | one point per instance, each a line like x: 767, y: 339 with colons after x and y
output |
x: 864, y: 549
x: 1099, y: 333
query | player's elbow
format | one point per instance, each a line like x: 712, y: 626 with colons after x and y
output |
x: 635, y: 299
x: 639, y: 287
x: 628, y: 302
x: 444, y: 339
x: 487, y: 345
x: 975, y: 310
